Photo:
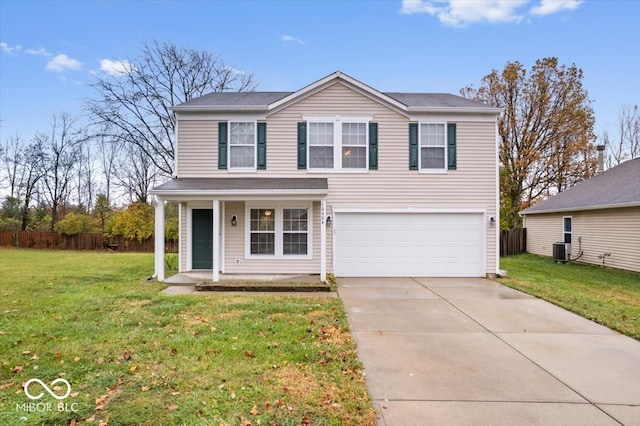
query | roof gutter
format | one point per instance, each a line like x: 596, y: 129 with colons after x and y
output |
x: 586, y: 208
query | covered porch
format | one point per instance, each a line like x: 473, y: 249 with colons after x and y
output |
x: 231, y: 227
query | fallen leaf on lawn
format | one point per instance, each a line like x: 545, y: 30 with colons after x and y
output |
x: 175, y: 393
x: 74, y: 395
x: 35, y: 356
x: 305, y: 421
x: 76, y: 359
x: 254, y: 411
x: 17, y: 369
x: 57, y: 355
x: 145, y: 388
x: 133, y: 368
x: 6, y: 385
x: 174, y: 351
x: 172, y: 407
x: 126, y: 355
x: 232, y: 394
x: 213, y: 329
x: 26, y: 352
x: 100, y: 360
x: 248, y: 353
x: 245, y: 422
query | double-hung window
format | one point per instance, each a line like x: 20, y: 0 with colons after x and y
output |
x: 338, y: 143
x: 279, y: 231
x: 242, y: 145
x: 354, y: 145
x: 567, y: 228
x: 433, y: 146
x: 262, y: 231
x: 321, y: 137
x: 294, y: 231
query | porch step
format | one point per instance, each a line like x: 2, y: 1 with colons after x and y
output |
x: 262, y: 287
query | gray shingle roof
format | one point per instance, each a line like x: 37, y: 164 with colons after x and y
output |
x: 434, y: 100
x: 616, y: 187
x: 241, y: 184
x: 235, y: 99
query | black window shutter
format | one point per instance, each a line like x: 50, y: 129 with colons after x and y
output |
x: 302, y: 145
x: 222, y: 145
x: 413, y: 146
x: 451, y: 146
x: 373, y: 146
x: 262, y: 146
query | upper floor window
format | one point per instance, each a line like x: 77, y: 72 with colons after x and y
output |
x: 338, y: 144
x: 354, y: 145
x: 242, y: 145
x: 433, y: 146
x: 321, y: 145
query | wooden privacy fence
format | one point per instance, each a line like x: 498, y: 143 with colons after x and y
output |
x: 86, y: 241
x: 513, y: 241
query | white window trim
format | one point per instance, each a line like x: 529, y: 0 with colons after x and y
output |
x: 278, y: 212
x: 564, y: 232
x: 231, y: 169
x: 337, y: 121
x: 446, y: 149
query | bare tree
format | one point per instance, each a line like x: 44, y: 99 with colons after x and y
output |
x: 22, y: 166
x: 108, y: 151
x: 61, y: 149
x: 135, y: 100
x: 627, y: 145
x: 546, y: 131
x: 136, y: 173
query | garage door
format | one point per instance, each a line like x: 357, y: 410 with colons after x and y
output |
x: 409, y: 244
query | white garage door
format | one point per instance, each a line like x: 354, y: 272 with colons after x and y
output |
x: 409, y: 244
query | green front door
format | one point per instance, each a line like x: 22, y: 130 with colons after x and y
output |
x: 202, y: 239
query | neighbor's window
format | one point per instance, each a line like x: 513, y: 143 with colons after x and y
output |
x: 242, y: 145
x: 354, y: 145
x: 433, y: 146
x: 567, y: 228
x: 321, y: 145
x: 262, y: 239
x: 294, y: 231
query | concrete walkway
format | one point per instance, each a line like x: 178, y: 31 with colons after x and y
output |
x: 473, y: 352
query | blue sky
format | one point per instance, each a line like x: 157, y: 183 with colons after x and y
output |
x: 51, y: 50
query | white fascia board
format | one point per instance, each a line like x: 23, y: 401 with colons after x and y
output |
x: 408, y: 210
x: 456, y: 110
x: 306, y: 194
x: 215, y: 108
x: 579, y: 209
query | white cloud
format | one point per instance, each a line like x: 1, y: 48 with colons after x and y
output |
x: 459, y: 13
x: 8, y: 49
x: 291, y: 39
x: 115, y: 68
x: 548, y: 7
x: 62, y: 62
x: 38, y: 52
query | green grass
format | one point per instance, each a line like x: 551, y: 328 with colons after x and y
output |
x: 610, y: 297
x: 133, y: 356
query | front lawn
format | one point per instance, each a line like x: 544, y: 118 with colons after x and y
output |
x: 608, y: 296
x: 133, y: 356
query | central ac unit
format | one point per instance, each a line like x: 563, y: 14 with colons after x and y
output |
x: 561, y: 252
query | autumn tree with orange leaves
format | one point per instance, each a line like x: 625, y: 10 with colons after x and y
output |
x: 546, y: 131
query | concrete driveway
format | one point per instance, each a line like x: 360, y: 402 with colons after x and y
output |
x: 468, y: 351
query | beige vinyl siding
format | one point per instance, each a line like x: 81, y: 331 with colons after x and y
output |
x: 615, y: 231
x: 197, y: 148
x: 472, y: 186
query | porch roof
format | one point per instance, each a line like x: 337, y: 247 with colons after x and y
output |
x: 230, y: 186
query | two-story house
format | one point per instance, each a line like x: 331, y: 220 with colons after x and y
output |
x: 335, y: 177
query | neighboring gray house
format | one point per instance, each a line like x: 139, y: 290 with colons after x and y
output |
x: 599, y: 217
x: 336, y: 177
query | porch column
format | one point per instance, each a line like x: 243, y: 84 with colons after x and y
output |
x: 216, y: 241
x: 323, y: 240
x: 159, y: 239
